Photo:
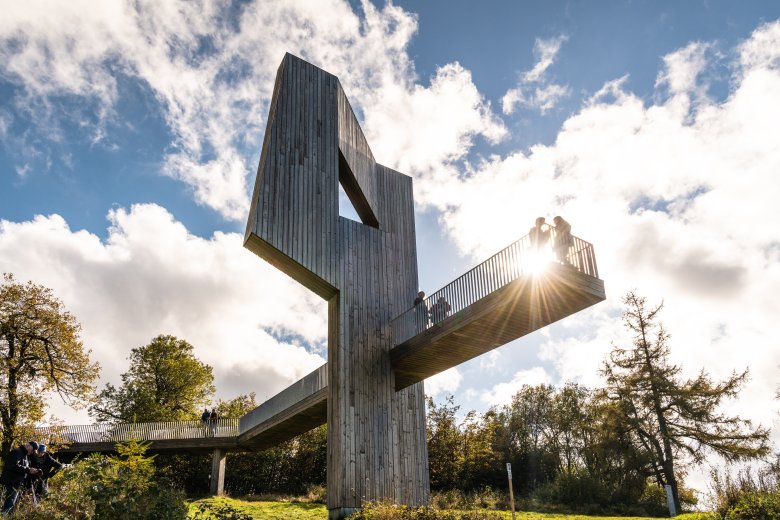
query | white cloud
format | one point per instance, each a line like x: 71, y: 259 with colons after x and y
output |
x: 502, y: 393
x: 533, y: 89
x: 683, y: 67
x: 446, y: 382
x: 151, y: 276
x: 211, y: 69
x: 678, y: 196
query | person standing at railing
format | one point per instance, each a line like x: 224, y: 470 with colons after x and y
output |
x: 204, y: 418
x: 563, y: 240
x: 440, y: 310
x: 213, y: 422
x: 420, y: 312
x: 15, y: 471
x: 538, y: 234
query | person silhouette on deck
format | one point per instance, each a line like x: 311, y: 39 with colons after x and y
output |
x: 563, y: 240
x: 420, y: 312
x: 440, y: 310
x: 538, y: 234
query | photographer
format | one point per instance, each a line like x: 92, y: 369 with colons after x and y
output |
x: 48, y: 465
x: 17, y: 467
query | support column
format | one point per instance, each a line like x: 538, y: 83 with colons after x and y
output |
x: 217, y: 479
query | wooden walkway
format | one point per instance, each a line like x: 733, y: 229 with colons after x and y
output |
x: 181, y: 436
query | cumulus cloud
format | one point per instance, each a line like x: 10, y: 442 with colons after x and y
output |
x: 151, y: 276
x: 683, y: 67
x: 502, y: 393
x: 534, y: 89
x: 210, y: 67
x: 443, y: 383
x: 677, y: 195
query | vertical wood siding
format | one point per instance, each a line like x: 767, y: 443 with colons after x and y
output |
x: 368, y: 274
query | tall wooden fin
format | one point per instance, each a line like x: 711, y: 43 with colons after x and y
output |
x: 367, y: 272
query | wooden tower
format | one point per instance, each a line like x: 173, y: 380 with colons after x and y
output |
x: 366, y: 271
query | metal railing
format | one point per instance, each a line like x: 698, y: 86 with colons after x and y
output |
x: 152, y: 431
x: 520, y: 258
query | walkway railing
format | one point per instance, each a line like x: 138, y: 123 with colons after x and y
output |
x: 152, y: 431
x: 518, y: 259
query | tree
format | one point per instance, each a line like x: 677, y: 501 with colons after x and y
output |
x: 236, y: 407
x: 673, y: 420
x: 40, y: 352
x: 444, y: 444
x: 165, y: 382
x: 530, y: 423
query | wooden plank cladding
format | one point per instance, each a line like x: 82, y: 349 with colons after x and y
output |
x: 518, y: 308
x: 368, y: 274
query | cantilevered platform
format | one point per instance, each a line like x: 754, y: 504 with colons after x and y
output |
x: 520, y: 289
x: 519, y: 308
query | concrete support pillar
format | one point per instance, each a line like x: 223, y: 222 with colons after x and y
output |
x: 217, y: 485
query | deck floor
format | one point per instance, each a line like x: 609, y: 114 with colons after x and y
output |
x: 517, y: 309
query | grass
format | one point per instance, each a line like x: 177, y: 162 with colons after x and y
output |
x: 296, y: 510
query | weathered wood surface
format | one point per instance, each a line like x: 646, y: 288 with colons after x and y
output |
x: 518, y: 308
x: 367, y: 272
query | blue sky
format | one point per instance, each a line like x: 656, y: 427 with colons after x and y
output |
x: 131, y: 134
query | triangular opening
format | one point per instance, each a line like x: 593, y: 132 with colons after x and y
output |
x: 346, y: 209
x: 352, y: 202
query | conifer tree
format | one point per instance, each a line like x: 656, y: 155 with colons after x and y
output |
x: 675, y: 421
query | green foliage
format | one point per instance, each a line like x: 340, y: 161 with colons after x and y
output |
x: 165, y: 382
x: 444, y: 444
x: 121, y: 487
x: 755, y: 506
x: 292, y: 467
x: 672, y: 421
x: 40, y: 352
x: 747, y: 494
x: 220, y: 508
x: 236, y: 407
x: 485, y: 498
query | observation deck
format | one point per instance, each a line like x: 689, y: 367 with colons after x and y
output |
x: 520, y: 289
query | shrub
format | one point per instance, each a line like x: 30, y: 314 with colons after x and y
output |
x: 109, y: 487
x: 754, y: 505
x: 317, y: 494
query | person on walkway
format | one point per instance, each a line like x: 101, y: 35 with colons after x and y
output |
x: 16, y: 468
x: 563, y: 240
x: 538, y: 234
x: 213, y: 421
x: 48, y: 465
x: 440, y: 310
x: 420, y: 312
x: 204, y: 418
